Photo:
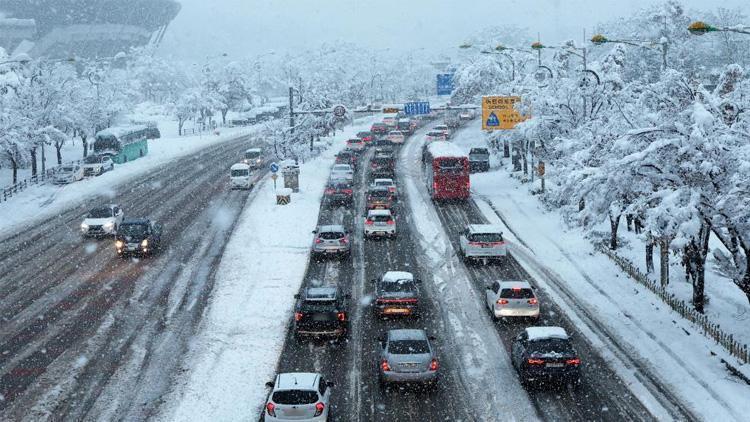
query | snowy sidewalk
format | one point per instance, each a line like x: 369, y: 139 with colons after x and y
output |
x: 243, y: 332
x: 630, y: 325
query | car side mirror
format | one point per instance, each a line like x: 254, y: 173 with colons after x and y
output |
x: 432, y: 338
x: 488, y: 287
x: 270, y: 384
x: 314, y: 231
x: 296, y: 296
x: 374, y: 280
x: 329, y: 383
x: 348, y: 296
x: 418, y: 281
x: 381, y: 339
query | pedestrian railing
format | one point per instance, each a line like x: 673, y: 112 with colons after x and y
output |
x: 9, y: 191
x: 685, y: 309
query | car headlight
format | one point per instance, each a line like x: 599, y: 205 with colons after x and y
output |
x: 109, y: 225
x: 144, y: 244
x: 119, y: 244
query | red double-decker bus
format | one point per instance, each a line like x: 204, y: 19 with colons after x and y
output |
x: 446, y: 171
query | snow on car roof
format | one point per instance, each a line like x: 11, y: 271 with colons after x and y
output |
x: 407, y: 334
x: 445, y: 149
x: 379, y: 213
x: 485, y: 228
x: 376, y: 181
x: 296, y: 380
x: 254, y: 150
x: 331, y: 228
x: 393, y: 276
x: 542, y: 333
x: 119, y: 131
x: 240, y: 166
x: 515, y: 285
x: 321, y: 293
x: 342, y: 167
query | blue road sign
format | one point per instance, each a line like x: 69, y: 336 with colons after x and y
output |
x: 417, y: 107
x: 492, y: 120
x: 274, y: 167
x: 444, y: 84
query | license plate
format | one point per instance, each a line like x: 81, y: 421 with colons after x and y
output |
x: 486, y: 246
x: 554, y: 365
x: 132, y: 247
x: 321, y: 317
x: 396, y: 311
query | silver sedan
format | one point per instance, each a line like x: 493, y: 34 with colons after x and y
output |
x: 407, y: 357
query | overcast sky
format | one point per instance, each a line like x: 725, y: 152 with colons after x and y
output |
x: 243, y: 28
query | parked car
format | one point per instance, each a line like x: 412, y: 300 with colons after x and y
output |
x: 342, y: 171
x: 482, y: 241
x: 379, y: 198
x: 68, y: 174
x: 321, y: 312
x: 379, y: 129
x: 479, y: 159
x: 95, y: 165
x: 355, y: 144
x: 102, y: 221
x: 396, y: 137
x: 339, y: 192
x: 397, y: 294
x: 545, y: 354
x: 298, y: 396
x: 389, y: 183
x: 347, y: 157
x: 435, y: 135
x: 240, y: 176
x: 380, y: 223
x: 331, y: 240
x: 407, y: 356
x: 138, y: 236
x: 367, y: 137
x: 512, y: 299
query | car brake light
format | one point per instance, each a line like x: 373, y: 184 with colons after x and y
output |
x: 434, y: 365
x: 297, y: 316
x: 318, y: 240
x: 502, y: 301
x: 369, y: 222
x: 319, y: 407
x: 344, y: 240
x: 384, y: 366
x: 391, y: 222
x: 392, y: 189
x: 347, y: 191
x: 329, y: 191
x: 535, y: 361
x: 271, y: 409
x: 533, y: 301
x: 341, y: 316
x: 516, y: 289
x: 574, y: 361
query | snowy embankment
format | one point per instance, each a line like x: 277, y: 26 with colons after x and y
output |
x: 243, y: 331
x: 613, y: 311
x: 39, y: 202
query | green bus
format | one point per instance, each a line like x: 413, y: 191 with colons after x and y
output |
x: 123, y: 143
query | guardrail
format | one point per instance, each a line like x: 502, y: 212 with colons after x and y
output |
x: 9, y: 191
x: 686, y: 310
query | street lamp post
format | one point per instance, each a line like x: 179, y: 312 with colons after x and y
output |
x: 662, y: 45
x: 702, y: 28
x: 499, y: 50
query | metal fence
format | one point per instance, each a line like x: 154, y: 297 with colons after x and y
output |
x: 9, y: 191
x: 685, y: 309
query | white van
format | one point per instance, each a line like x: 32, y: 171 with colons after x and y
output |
x: 254, y: 158
x: 240, y: 176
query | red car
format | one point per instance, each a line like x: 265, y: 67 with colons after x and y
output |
x: 379, y: 129
x: 366, y: 137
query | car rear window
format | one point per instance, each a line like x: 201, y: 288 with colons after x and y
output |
x: 339, y: 186
x: 551, y: 346
x: 398, y: 286
x: 479, y: 151
x: 516, y: 293
x: 318, y: 306
x: 408, y: 347
x: 380, y: 218
x: 486, y: 237
x: 354, y: 141
x: 344, y: 167
x: 382, y: 161
x: 380, y: 194
x: 331, y: 235
x: 295, y: 397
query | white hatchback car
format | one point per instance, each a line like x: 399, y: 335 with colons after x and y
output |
x: 342, y: 172
x: 483, y: 241
x: 396, y: 137
x: 68, y: 174
x: 380, y: 223
x: 512, y: 299
x: 102, y: 221
x: 298, y: 396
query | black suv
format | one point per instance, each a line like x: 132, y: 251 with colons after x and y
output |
x: 138, y: 236
x: 321, y: 312
x: 382, y: 165
x: 545, y: 354
x: 479, y: 160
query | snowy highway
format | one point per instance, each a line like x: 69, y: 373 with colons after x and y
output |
x: 80, y: 322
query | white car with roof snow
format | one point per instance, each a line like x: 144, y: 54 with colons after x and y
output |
x: 298, y: 396
x: 396, y: 137
x: 342, y: 171
x: 380, y: 223
x: 389, y: 183
x: 102, y: 221
x: 240, y: 176
x: 68, y: 174
x: 483, y: 241
x: 512, y: 299
x: 444, y: 129
x: 95, y: 165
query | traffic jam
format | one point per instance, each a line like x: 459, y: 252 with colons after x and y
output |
x: 364, y: 299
